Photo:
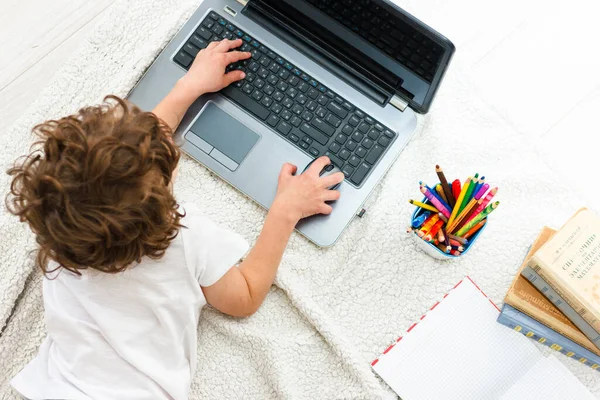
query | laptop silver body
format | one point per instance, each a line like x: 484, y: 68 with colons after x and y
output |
x: 255, y: 175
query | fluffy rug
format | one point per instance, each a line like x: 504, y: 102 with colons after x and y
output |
x: 331, y: 311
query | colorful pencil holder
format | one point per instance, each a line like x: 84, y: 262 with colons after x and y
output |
x: 431, y: 249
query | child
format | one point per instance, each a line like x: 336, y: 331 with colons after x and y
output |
x: 128, y: 270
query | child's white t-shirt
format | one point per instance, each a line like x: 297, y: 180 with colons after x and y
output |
x: 131, y: 335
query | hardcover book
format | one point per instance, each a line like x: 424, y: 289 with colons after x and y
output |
x: 516, y: 320
x: 569, y: 262
x: 524, y: 297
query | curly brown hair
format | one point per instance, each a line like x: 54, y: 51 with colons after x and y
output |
x: 96, y: 188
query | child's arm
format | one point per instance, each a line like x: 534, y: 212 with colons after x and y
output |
x: 242, y: 290
x: 207, y: 74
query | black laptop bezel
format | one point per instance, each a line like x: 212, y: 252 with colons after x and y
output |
x: 446, y: 45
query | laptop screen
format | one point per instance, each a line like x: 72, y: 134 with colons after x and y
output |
x: 378, y: 40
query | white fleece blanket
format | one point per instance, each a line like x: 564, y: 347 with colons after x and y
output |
x: 331, y: 312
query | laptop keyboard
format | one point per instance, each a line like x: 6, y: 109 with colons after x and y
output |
x: 293, y: 104
x: 394, y: 37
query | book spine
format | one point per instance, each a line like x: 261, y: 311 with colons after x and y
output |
x: 547, y: 337
x: 564, y: 293
x: 540, y: 284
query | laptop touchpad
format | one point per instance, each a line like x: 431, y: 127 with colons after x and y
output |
x: 222, y: 136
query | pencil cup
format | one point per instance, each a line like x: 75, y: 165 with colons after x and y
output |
x: 431, y: 249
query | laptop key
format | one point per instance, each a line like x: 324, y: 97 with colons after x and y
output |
x: 313, y: 133
x: 322, y: 126
x: 334, y: 159
x: 337, y: 110
x: 284, y: 128
x: 246, y: 102
x: 333, y: 120
x: 198, y: 41
x: 273, y: 120
x: 335, y: 147
x: 347, y: 170
x: 360, y: 174
x: 204, y: 33
x: 361, y: 152
x: 183, y: 58
x: 295, y: 121
x: 313, y: 151
x: 374, y: 154
x: 383, y: 141
x: 354, y: 161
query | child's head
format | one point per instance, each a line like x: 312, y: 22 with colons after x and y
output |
x: 96, y: 189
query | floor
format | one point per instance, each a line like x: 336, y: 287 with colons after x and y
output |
x: 546, y: 49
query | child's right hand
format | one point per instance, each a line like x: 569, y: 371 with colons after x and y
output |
x: 304, y: 195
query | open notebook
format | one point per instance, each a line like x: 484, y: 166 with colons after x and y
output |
x: 458, y: 351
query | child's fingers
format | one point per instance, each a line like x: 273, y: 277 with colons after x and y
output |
x: 331, y: 180
x: 212, y: 45
x: 233, y: 76
x: 331, y: 195
x: 318, y: 165
x: 287, y: 170
x: 226, y: 45
x: 234, y: 56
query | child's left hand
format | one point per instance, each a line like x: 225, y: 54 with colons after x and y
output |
x: 207, y: 73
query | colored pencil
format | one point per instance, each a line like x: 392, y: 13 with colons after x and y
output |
x: 435, y: 194
x: 409, y: 229
x: 434, y: 200
x: 441, y: 237
x: 462, y: 215
x: 442, y: 248
x: 488, y: 210
x: 420, y: 220
x: 468, y: 215
x: 468, y: 195
x: 446, y: 240
x: 485, y: 202
x: 479, y: 194
x: 443, y: 218
x: 474, y: 229
x: 455, y: 243
x: 455, y: 190
x: 428, y: 224
x: 459, y: 239
x: 445, y: 186
x: 434, y: 230
x: 424, y: 206
x: 455, y: 253
x: 459, y: 201
x: 479, y: 185
x: 440, y: 192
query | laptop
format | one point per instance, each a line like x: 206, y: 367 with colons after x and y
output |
x: 342, y: 78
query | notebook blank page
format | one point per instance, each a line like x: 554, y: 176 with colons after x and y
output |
x: 458, y: 351
x: 548, y: 380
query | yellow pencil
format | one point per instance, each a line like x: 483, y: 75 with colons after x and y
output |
x: 440, y: 192
x: 459, y: 201
x: 462, y: 215
x: 424, y: 206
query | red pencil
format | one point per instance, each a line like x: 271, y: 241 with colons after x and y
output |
x: 456, y: 188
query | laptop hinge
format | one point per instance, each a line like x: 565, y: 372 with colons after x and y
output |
x: 398, y: 102
x: 242, y: 2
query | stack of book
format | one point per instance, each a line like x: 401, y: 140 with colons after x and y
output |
x: 555, y: 297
